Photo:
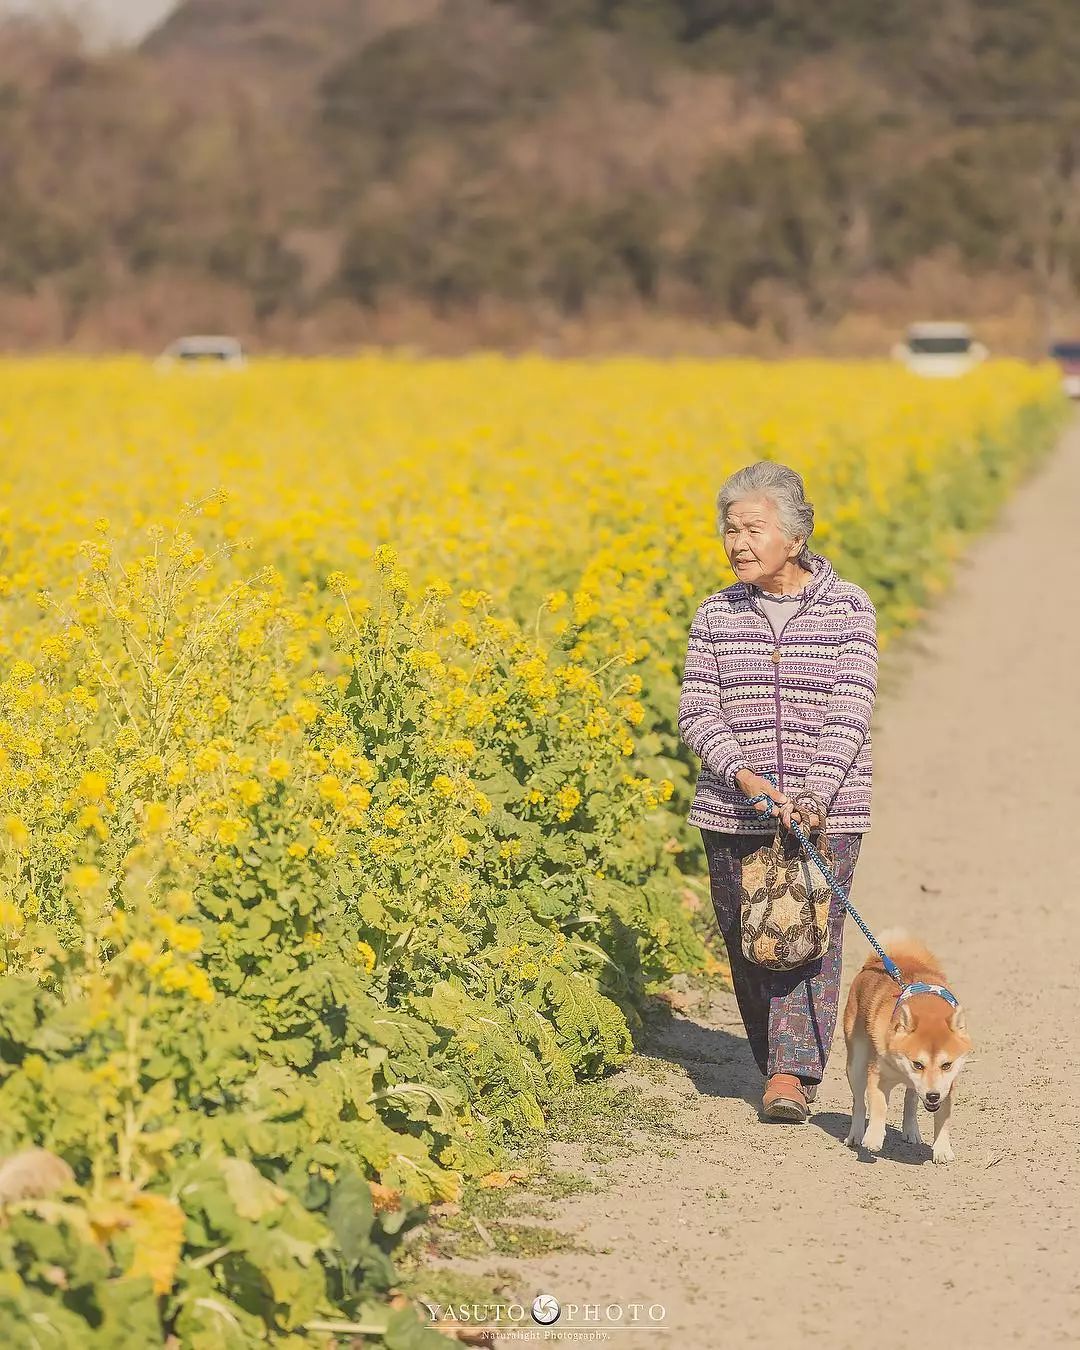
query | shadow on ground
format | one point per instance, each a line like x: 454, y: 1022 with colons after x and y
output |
x: 718, y: 1063
x: 896, y: 1148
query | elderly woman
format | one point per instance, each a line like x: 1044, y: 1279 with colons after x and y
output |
x: 780, y: 678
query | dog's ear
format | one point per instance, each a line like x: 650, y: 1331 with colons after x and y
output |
x: 956, y: 1021
x: 904, y: 1019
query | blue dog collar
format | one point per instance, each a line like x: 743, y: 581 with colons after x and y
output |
x: 921, y: 987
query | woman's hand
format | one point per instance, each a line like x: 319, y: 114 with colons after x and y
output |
x: 807, y: 819
x: 752, y: 785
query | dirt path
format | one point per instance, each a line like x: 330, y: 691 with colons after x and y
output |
x: 781, y: 1236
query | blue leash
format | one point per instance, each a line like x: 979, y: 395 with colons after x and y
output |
x: 891, y: 968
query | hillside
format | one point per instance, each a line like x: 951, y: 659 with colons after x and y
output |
x: 730, y: 172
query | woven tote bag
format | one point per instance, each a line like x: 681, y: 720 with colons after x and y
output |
x: 784, y: 900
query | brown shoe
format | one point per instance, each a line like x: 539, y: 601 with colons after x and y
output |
x: 784, y: 1099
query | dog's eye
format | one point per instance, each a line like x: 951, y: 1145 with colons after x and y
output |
x: 948, y: 1066
x: 918, y: 1065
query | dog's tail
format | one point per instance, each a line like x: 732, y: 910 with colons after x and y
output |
x: 908, y: 952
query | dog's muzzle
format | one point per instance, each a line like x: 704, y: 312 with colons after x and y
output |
x: 932, y: 1101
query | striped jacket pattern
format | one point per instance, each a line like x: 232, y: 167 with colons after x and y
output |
x: 798, y: 707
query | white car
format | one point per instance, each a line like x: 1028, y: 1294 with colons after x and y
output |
x: 939, y: 349
x: 202, y: 350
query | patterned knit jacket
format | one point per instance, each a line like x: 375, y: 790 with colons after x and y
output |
x: 798, y: 707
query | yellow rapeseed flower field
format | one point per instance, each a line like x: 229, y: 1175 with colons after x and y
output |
x: 510, y: 479
x: 493, y: 473
x: 340, y: 788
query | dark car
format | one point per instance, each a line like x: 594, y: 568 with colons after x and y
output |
x: 1067, y: 355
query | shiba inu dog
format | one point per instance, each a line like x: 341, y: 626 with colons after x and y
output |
x: 920, y: 1042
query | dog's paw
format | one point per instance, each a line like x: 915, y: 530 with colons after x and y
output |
x: 912, y: 1135
x: 874, y: 1140
x: 943, y: 1153
x: 854, y: 1138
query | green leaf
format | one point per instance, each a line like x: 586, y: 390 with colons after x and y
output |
x: 351, y: 1215
x: 405, y: 1331
x: 252, y: 1195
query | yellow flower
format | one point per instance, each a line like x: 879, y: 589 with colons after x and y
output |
x: 230, y: 830
x: 633, y: 711
x: 186, y: 938
x: 175, y: 978
x: 297, y: 850
x: 384, y: 558
x: 366, y: 955
x: 199, y: 986
x: 249, y: 790
x: 10, y: 915
x: 567, y: 799
x: 279, y: 769
x: 117, y: 925
x: 93, y: 786
x: 463, y: 631
x: 156, y: 818
x: 207, y: 759
x: 17, y: 832
x: 394, y: 817
x: 84, y: 877
x: 306, y: 711
x: 126, y: 740
x: 181, y: 900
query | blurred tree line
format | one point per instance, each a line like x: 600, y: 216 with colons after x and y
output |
x: 726, y: 158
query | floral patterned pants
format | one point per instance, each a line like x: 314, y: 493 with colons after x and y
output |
x: 789, y: 1015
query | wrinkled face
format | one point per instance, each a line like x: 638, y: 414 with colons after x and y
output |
x: 756, y: 546
x: 929, y: 1051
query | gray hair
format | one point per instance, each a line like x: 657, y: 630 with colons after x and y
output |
x: 784, y: 488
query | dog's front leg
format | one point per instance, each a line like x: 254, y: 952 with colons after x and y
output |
x: 877, y: 1100
x: 858, y: 1061
x: 911, y: 1117
x: 942, y: 1148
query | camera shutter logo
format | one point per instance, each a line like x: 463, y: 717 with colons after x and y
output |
x: 545, y: 1309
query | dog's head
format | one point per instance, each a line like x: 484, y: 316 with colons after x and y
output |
x: 929, y: 1043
